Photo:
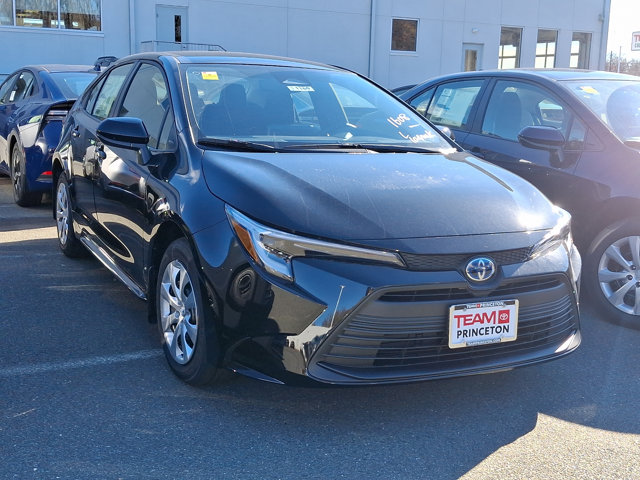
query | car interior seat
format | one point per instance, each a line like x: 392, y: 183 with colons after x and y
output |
x: 145, y: 105
x: 232, y: 115
x: 507, y: 116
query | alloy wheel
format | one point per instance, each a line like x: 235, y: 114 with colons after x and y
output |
x: 16, y: 170
x: 62, y: 213
x: 178, y: 312
x: 619, y: 274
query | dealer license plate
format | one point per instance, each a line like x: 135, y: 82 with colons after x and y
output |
x: 482, y: 323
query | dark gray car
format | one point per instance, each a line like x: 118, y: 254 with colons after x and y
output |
x: 292, y: 220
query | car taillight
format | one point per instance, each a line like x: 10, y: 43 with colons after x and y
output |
x: 56, y: 114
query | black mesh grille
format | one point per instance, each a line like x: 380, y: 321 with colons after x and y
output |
x: 389, y: 337
x: 458, y: 261
x: 461, y: 292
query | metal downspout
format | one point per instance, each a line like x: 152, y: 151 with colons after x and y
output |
x: 372, y: 32
x: 606, y: 15
x: 132, y: 24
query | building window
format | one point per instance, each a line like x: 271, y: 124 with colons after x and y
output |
x: 509, y: 53
x: 580, y: 50
x: 6, y: 12
x: 546, y: 49
x: 67, y: 14
x: 404, y: 35
x: 37, y: 13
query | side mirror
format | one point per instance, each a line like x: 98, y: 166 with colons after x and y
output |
x: 545, y: 138
x: 447, y: 131
x: 125, y: 132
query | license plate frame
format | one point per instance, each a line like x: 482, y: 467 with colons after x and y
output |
x: 483, y: 323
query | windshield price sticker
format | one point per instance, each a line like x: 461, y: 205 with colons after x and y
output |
x: 483, y: 323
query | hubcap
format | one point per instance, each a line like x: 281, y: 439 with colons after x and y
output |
x: 62, y: 213
x: 619, y: 276
x: 178, y: 312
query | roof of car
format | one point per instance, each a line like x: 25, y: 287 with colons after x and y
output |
x: 225, y: 57
x: 551, y: 73
x: 61, y: 68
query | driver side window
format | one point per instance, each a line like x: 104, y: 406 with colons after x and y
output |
x: 148, y: 100
x: 514, y: 105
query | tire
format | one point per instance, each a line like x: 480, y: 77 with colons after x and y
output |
x: 186, y: 325
x: 67, y: 240
x: 21, y: 194
x: 612, y: 273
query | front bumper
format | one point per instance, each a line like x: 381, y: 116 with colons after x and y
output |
x: 347, y: 323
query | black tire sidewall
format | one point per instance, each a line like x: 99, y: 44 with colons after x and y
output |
x: 25, y: 198
x: 610, y: 235
x: 202, y: 368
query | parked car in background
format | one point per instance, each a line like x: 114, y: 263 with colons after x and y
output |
x: 576, y: 136
x: 33, y: 104
x: 400, y: 90
x: 288, y: 219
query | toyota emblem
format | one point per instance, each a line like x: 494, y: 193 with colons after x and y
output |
x: 480, y: 269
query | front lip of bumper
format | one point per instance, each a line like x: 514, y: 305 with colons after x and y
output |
x: 281, y: 337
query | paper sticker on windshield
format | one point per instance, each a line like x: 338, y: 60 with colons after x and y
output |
x: 587, y: 89
x: 300, y: 88
x: 210, y: 76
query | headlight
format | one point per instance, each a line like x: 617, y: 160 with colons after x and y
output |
x: 273, y: 250
x: 558, y: 235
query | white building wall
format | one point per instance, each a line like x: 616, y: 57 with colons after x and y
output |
x: 30, y: 45
x: 341, y: 32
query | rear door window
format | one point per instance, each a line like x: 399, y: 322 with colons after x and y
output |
x: 453, y: 102
x: 109, y: 91
x: 6, y: 88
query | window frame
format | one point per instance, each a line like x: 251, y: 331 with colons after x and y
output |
x: 546, y: 56
x: 581, y: 55
x: 417, y: 24
x: 501, y: 56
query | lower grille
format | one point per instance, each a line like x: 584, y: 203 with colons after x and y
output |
x: 389, y: 337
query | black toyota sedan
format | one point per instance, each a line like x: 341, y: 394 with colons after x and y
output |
x: 33, y: 103
x: 290, y: 220
x: 576, y: 136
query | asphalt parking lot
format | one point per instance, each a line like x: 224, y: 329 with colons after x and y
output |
x: 85, y: 393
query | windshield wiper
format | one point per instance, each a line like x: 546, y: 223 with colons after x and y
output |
x: 379, y: 148
x: 233, y: 144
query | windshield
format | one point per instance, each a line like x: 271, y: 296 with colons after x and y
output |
x: 615, y: 102
x: 285, y: 107
x: 72, y: 84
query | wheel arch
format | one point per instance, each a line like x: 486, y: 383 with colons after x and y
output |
x: 606, y: 218
x: 166, y: 233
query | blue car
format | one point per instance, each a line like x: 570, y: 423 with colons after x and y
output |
x: 34, y: 102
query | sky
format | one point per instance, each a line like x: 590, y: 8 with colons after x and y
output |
x: 624, y: 20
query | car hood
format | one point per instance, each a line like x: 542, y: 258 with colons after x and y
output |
x: 377, y: 196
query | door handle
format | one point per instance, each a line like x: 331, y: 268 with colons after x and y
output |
x: 75, y: 132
